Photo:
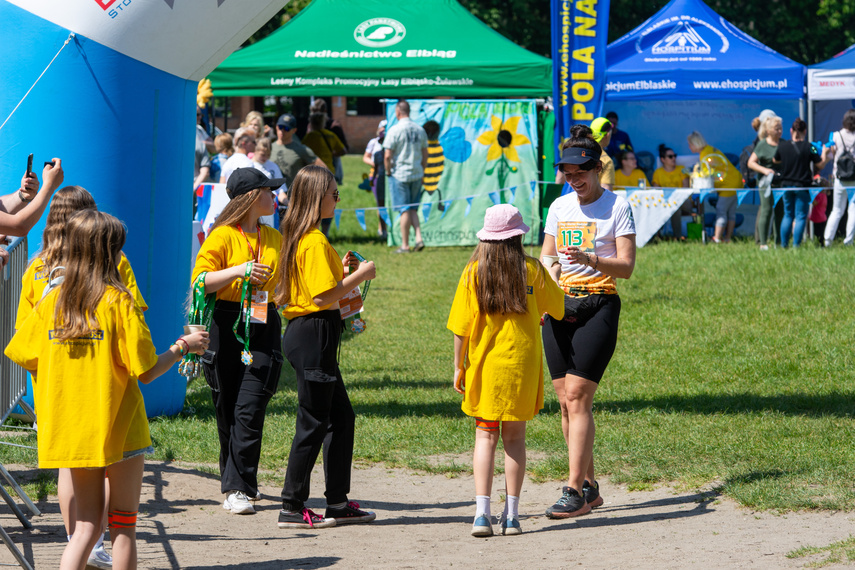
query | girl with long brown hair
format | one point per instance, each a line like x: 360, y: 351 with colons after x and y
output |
x: 498, y: 362
x: 86, y: 343
x: 66, y: 202
x: 311, y: 282
x: 238, y: 262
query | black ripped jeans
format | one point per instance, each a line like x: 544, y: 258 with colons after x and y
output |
x: 325, y: 417
x: 241, y: 393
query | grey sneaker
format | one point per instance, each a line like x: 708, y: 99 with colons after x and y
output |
x: 350, y: 513
x: 99, y: 558
x: 571, y: 504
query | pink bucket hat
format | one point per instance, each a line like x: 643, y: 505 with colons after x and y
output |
x: 502, y: 221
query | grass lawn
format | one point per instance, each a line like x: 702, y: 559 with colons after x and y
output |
x: 734, y: 366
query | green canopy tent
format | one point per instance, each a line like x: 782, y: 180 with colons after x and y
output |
x: 377, y: 48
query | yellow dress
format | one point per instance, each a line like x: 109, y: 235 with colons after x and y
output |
x: 732, y: 177
x: 504, y: 376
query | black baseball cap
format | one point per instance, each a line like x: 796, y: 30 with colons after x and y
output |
x: 287, y: 122
x: 245, y: 180
x: 579, y: 156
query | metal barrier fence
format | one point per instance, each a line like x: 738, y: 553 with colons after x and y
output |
x: 13, y: 381
x: 13, y: 378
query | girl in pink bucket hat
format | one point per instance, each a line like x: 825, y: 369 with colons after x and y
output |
x: 498, y: 363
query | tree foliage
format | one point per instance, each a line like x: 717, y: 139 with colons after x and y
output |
x: 807, y: 32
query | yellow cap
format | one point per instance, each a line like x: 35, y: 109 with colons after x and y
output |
x: 600, y: 126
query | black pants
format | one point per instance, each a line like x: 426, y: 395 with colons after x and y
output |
x: 325, y: 417
x: 241, y: 393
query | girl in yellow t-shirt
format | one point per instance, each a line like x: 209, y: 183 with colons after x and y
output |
x: 311, y: 282
x: 629, y: 175
x: 498, y: 362
x: 66, y: 202
x: 238, y: 261
x: 86, y: 344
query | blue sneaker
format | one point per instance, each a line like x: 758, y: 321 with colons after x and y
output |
x: 510, y: 526
x: 482, y: 527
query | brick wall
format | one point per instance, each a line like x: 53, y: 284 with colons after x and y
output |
x: 358, y: 129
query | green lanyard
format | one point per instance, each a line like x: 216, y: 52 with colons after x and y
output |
x: 367, y: 282
x: 246, y: 314
x: 201, y: 313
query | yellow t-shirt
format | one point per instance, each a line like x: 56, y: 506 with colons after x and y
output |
x: 319, y: 269
x: 622, y: 180
x: 324, y: 143
x: 504, y: 376
x: 89, y: 402
x: 664, y: 179
x: 732, y: 178
x: 608, y: 174
x: 226, y: 247
x: 35, y: 278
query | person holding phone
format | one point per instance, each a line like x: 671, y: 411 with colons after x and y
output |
x: 20, y: 210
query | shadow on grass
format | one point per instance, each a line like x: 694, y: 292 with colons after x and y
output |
x: 840, y: 404
x: 753, y: 477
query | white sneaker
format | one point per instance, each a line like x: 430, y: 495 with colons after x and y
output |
x: 99, y: 558
x: 238, y: 504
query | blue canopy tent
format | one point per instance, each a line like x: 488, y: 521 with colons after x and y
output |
x: 687, y: 68
x: 831, y: 92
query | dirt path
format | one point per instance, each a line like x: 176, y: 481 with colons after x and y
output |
x: 423, y: 521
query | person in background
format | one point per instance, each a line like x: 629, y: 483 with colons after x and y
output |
x: 761, y: 161
x: 201, y: 133
x: 320, y: 106
x: 202, y: 160
x: 261, y: 161
x: 436, y: 160
x: 289, y: 154
x: 725, y: 208
x: 244, y: 144
x: 796, y: 157
x: 373, y: 157
x: 844, y: 140
x: 405, y: 159
x: 224, y: 145
x: 819, y: 215
x: 619, y: 141
x: 255, y: 121
x: 629, y: 175
x: 670, y: 175
x: 600, y: 131
x: 323, y: 142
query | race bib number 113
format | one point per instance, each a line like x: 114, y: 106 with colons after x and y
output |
x: 578, y: 234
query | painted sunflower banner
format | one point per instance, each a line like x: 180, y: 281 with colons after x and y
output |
x: 482, y: 147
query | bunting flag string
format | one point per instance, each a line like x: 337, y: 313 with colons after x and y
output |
x: 777, y: 195
x: 384, y: 213
x: 629, y: 192
x: 741, y: 195
x: 337, y: 218
x: 851, y: 193
x: 667, y: 193
x: 814, y: 192
x: 446, y: 206
x: 426, y: 210
x: 534, y: 184
x: 468, y: 206
x: 494, y: 196
x: 704, y: 194
x: 513, y: 191
x: 360, y: 217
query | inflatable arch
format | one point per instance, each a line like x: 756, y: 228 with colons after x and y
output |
x: 109, y: 86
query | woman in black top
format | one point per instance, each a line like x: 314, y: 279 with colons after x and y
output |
x: 796, y: 157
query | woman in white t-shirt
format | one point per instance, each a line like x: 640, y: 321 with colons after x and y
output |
x: 844, y: 139
x: 590, y: 241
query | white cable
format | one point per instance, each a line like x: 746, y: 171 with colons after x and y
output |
x: 68, y: 39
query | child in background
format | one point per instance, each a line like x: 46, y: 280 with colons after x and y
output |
x: 66, y: 202
x: 86, y: 343
x: 498, y: 356
x: 819, y: 215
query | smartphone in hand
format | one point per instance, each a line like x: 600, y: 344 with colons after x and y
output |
x: 30, y: 164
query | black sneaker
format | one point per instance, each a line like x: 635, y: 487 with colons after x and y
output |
x: 571, y: 504
x: 305, y: 518
x: 592, y: 494
x: 348, y: 514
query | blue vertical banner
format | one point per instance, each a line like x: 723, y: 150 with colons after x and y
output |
x: 579, y: 35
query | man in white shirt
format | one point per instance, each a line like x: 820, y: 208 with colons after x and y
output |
x: 405, y: 158
x: 244, y: 143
